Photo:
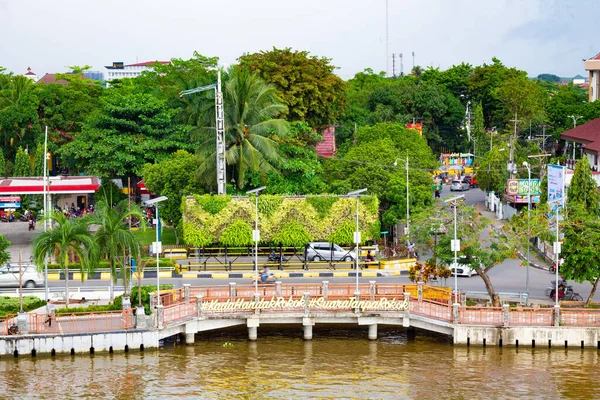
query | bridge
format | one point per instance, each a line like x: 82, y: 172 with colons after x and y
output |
x: 192, y: 310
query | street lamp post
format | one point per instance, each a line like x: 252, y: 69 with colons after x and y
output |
x: 455, y: 245
x: 407, y: 198
x: 47, y: 289
x: 157, y: 245
x: 256, y: 238
x: 219, y: 126
x: 357, y: 193
x: 526, y: 165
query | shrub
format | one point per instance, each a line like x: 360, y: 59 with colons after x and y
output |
x: 321, y: 204
x: 10, y: 305
x: 237, y: 234
x: 292, y: 234
x: 213, y: 204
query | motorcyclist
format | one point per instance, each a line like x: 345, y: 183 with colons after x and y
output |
x: 265, y: 275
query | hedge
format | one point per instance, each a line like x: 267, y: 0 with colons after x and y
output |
x: 293, y: 221
x: 10, y: 305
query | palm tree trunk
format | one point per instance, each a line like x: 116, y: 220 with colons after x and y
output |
x: 66, y: 269
x: 591, y: 296
x: 489, y: 287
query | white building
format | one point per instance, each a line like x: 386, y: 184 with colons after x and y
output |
x: 118, y: 70
x: 30, y: 74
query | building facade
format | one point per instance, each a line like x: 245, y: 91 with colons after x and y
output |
x: 119, y: 70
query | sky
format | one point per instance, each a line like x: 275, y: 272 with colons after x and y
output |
x: 538, y: 36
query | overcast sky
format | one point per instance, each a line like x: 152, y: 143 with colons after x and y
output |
x: 534, y: 35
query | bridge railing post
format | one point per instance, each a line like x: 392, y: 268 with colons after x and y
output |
x: 372, y: 290
x: 455, y: 311
x: 199, y: 305
x: 160, y: 314
x: 186, y: 292
x: 357, y: 298
x: 325, y: 289
x: 306, y: 303
x: 278, y: 288
x: 256, y: 299
x: 419, y: 291
x: 506, y: 310
x: 406, y: 319
x: 232, y: 289
x: 556, y: 315
x: 152, y: 296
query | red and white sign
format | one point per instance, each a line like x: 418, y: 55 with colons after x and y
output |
x: 10, y: 199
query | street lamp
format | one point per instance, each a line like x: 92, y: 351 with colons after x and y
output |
x: 256, y: 238
x: 526, y: 165
x: 556, y: 248
x: 157, y: 245
x: 407, y: 201
x: 492, y: 133
x: 219, y: 126
x: 455, y: 245
x: 357, y: 193
x: 47, y: 289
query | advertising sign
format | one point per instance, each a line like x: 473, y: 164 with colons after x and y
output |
x: 520, y: 187
x: 556, y: 188
x: 10, y: 202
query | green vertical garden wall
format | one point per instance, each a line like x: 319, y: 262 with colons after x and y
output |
x: 293, y: 221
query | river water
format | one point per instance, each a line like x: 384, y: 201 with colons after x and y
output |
x: 336, y: 364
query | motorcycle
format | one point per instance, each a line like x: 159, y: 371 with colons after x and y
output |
x: 270, y: 280
x: 31, y: 225
x: 565, y: 292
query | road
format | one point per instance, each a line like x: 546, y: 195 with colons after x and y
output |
x: 506, y: 277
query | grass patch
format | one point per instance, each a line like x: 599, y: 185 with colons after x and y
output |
x: 146, y: 238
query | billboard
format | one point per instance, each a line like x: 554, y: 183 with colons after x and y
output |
x: 520, y: 187
x: 556, y: 188
x: 10, y: 202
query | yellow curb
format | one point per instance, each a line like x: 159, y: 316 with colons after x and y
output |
x: 340, y: 274
x: 370, y: 274
x: 165, y: 274
x: 53, y: 277
x: 105, y: 276
x: 248, y: 275
x: 77, y: 276
x: 219, y: 276
x: 189, y: 275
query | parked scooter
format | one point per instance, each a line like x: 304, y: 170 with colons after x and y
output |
x: 565, y: 292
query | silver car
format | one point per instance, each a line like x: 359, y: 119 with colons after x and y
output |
x: 9, y: 276
x: 458, y: 185
x: 320, y: 251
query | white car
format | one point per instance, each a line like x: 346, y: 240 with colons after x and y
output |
x: 9, y: 276
x: 463, y: 269
x: 459, y: 185
x: 320, y: 251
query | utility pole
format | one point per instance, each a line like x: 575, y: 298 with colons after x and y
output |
x: 394, y: 65
x: 387, y: 72
x: 413, y: 56
x: 543, y: 136
x: 574, y: 118
x: 512, y: 170
x: 401, y: 66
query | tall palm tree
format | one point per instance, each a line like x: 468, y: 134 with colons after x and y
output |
x: 251, y: 108
x: 67, y: 237
x: 113, y: 236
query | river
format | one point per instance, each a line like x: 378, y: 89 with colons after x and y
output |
x: 336, y: 364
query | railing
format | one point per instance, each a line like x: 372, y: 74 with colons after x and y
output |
x: 580, y: 317
x: 531, y: 316
x: 480, y: 316
x: 81, y: 322
x: 177, y: 312
x: 6, y: 322
x: 432, y: 309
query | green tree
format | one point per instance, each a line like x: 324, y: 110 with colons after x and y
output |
x: 67, y: 238
x: 109, y: 192
x: 479, y: 135
x: 583, y: 189
x: 173, y: 177
x: 113, y: 236
x: 4, y: 253
x: 127, y: 132
x: 306, y: 84
x: 522, y: 98
x: 22, y: 163
x: 548, y: 78
x: 251, y: 117
x: 2, y: 163
x: 582, y: 229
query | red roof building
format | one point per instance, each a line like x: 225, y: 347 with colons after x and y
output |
x: 326, y: 147
x: 51, y: 78
x: 583, y: 140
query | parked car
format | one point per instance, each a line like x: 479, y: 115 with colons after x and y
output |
x: 320, y: 251
x: 9, y: 276
x: 458, y: 185
x: 463, y: 269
